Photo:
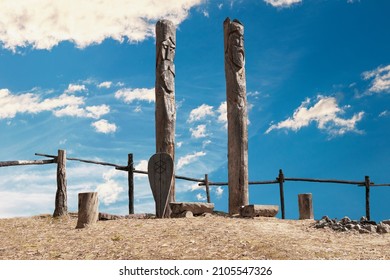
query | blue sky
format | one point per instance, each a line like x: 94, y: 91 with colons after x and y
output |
x: 80, y: 76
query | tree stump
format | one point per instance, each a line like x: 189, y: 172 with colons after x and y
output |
x: 88, y: 209
x: 305, y: 206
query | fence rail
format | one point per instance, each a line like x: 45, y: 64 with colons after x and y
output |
x: 281, y: 179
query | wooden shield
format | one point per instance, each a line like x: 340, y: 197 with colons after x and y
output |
x: 160, y: 172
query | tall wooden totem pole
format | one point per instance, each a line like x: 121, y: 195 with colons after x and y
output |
x: 165, y: 94
x: 236, y: 114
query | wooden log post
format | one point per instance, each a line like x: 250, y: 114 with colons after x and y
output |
x: 305, y: 206
x: 61, y: 204
x: 206, y: 181
x: 236, y: 114
x: 88, y: 213
x: 165, y: 113
x: 367, y: 184
x: 130, y: 174
x: 281, y: 190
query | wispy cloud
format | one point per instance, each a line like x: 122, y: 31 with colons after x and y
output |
x: 72, y: 88
x: 384, y: 114
x: 190, y: 158
x: 103, y: 126
x: 43, y: 24
x: 380, y: 79
x: 199, y: 131
x: 325, y: 112
x: 106, y: 84
x: 129, y: 95
x: 282, y: 3
x: 200, y: 113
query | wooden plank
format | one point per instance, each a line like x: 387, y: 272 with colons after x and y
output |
x: 25, y: 162
x: 160, y: 171
x: 196, y: 208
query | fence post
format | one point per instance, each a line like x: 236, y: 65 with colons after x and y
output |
x: 367, y: 183
x: 130, y: 172
x: 206, y: 181
x: 281, y: 190
x: 61, y: 207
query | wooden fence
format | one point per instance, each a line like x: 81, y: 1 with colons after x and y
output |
x: 129, y: 168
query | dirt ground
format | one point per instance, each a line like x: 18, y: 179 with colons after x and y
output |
x: 201, y: 238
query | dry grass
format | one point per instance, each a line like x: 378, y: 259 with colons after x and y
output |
x: 215, y: 237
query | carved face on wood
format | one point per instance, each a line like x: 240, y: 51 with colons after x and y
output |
x: 168, y: 49
x: 236, y: 45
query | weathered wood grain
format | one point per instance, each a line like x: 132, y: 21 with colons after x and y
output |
x: 61, y: 200
x: 250, y: 211
x: 165, y: 113
x: 236, y: 114
x: 196, y: 208
x: 305, y: 204
x: 160, y: 171
x: 88, y: 213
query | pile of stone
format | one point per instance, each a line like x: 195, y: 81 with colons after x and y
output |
x: 361, y: 226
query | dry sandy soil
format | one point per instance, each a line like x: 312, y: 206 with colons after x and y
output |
x: 207, y: 238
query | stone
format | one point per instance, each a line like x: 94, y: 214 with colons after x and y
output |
x: 387, y: 222
x: 345, y: 220
x: 370, y: 228
x: 326, y: 218
x: 383, y: 228
x: 197, y: 208
x: 185, y: 214
x: 363, y: 230
x: 357, y: 227
x: 250, y: 211
x: 207, y: 215
x: 363, y: 219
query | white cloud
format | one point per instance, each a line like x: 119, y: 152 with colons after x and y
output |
x: 106, y: 84
x: 205, y: 143
x: 384, y: 114
x: 43, y: 24
x: 282, y: 3
x: 326, y: 113
x: 138, y: 109
x: 187, y: 159
x: 222, y: 113
x: 129, y: 95
x: 200, y: 113
x: 381, y: 79
x: 94, y: 112
x: 219, y: 192
x: 352, y: 1
x: 72, y: 88
x: 179, y: 144
x: 199, y: 131
x: 103, y: 126
x: 220, y: 6
x: 142, y: 165
x: 201, y: 197
x: 110, y: 190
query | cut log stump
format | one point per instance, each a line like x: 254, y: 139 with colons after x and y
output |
x: 196, y: 208
x: 305, y: 206
x: 88, y: 209
x: 250, y: 211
